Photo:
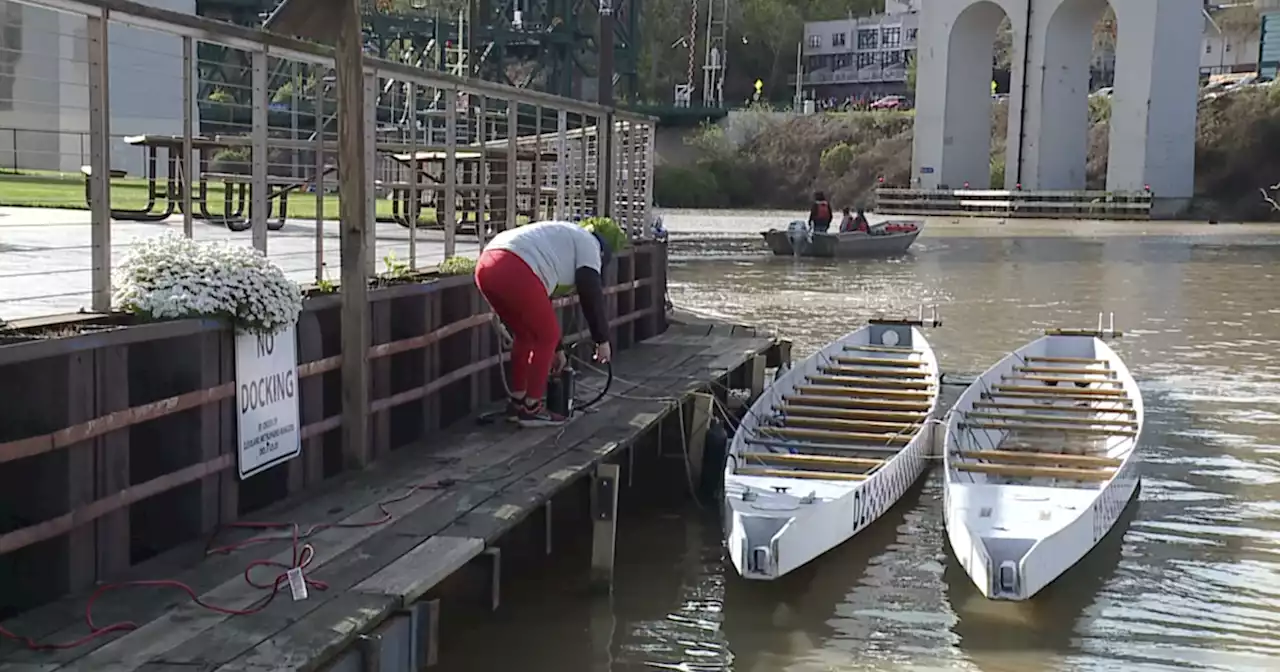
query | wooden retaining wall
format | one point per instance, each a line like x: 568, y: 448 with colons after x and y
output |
x: 119, y: 444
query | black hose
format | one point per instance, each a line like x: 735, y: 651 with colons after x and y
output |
x: 608, y: 380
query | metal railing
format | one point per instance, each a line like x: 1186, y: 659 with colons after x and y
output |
x: 222, y: 132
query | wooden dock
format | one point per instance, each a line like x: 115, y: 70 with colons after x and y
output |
x: 387, y: 539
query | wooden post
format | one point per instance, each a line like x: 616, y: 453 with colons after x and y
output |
x: 756, y: 374
x: 604, y: 517
x: 425, y: 625
x: 355, y: 287
x: 695, y: 429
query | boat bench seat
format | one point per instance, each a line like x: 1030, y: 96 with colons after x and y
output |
x: 880, y: 361
x: 1054, y: 380
x: 832, y: 391
x: 1043, y: 428
x: 869, y: 371
x: 834, y: 437
x: 1026, y: 471
x: 804, y: 446
x: 1065, y: 370
x: 849, y: 381
x: 1065, y: 420
x: 1039, y: 458
x: 899, y: 349
x: 1057, y: 392
x: 841, y: 425
x: 797, y: 473
x: 1066, y: 360
x: 1074, y: 408
x: 828, y: 401
x: 792, y: 410
x: 792, y: 459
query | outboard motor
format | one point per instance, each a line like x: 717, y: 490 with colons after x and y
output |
x: 798, y: 234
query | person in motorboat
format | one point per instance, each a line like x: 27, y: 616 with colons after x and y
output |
x: 820, y: 214
x: 846, y: 222
x: 517, y: 272
x: 860, y: 222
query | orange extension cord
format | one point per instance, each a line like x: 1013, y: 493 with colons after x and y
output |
x: 303, y: 554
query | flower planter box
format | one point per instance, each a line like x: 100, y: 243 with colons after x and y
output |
x: 118, y: 437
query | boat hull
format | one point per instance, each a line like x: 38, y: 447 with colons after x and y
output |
x: 840, y: 245
x: 1018, y: 518
x: 775, y: 523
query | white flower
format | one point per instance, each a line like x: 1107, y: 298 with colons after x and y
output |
x: 172, y: 277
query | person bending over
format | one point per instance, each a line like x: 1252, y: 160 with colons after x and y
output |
x: 517, y: 272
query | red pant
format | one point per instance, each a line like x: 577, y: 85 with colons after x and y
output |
x: 518, y: 297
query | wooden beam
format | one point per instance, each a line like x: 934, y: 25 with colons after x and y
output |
x: 1066, y: 420
x: 823, y: 460
x: 1045, y: 428
x: 848, y: 381
x: 800, y: 411
x: 839, y: 425
x: 1036, y: 472
x: 822, y: 390
x: 1060, y: 409
x: 848, y: 403
x: 880, y: 361
x: 1067, y: 360
x: 902, y: 349
x: 1040, y: 458
x: 835, y: 437
x: 792, y: 473
x: 349, y: 55
x: 873, y: 371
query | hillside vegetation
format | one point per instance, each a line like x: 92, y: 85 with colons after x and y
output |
x: 783, y: 159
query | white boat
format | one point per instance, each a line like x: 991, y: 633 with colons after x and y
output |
x: 829, y: 447
x: 1039, y: 461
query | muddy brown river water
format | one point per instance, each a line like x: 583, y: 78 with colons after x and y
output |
x: 1191, y: 579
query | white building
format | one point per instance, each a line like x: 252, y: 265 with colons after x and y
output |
x: 863, y: 57
x: 44, y: 87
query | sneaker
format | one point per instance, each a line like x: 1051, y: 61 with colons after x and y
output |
x: 539, y: 416
x: 512, y: 414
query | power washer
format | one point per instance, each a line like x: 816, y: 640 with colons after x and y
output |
x: 562, y: 388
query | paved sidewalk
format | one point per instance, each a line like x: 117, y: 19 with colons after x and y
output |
x: 46, y: 261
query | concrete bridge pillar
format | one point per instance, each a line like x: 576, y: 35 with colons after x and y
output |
x: 1153, y: 107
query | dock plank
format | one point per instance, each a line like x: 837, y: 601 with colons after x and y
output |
x: 479, y: 473
x: 344, y: 495
x: 419, y: 570
x: 314, y: 641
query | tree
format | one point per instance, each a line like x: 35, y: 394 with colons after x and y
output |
x: 911, y: 73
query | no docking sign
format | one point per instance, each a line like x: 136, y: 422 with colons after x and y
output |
x: 267, y: 400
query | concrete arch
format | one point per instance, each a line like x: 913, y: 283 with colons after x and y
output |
x: 1153, y: 105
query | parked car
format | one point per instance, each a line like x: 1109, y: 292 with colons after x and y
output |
x: 890, y: 103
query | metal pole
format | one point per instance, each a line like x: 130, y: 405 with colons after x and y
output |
x: 411, y: 213
x: 186, y: 179
x: 99, y: 161
x: 604, y: 130
x: 562, y: 162
x: 369, y: 150
x: 258, y: 188
x: 355, y: 286
x: 450, y: 172
x: 513, y: 166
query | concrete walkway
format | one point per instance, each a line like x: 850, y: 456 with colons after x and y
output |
x: 46, y: 260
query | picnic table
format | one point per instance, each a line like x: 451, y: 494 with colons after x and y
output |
x: 479, y: 175
x: 235, y: 191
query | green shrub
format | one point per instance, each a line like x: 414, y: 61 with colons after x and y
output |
x: 609, y: 230
x: 458, y: 266
x: 837, y: 159
x: 682, y: 187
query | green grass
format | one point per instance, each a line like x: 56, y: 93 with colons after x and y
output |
x: 44, y: 189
